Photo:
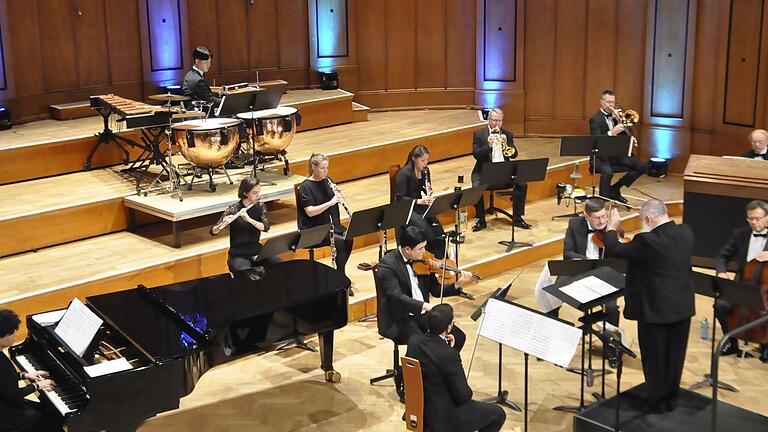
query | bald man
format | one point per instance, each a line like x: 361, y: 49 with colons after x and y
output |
x: 759, y: 140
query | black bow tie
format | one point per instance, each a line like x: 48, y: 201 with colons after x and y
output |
x: 591, y: 231
x: 760, y: 235
x: 409, y: 262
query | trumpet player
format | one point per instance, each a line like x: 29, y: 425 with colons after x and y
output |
x: 495, y: 144
x: 319, y: 204
x: 605, y: 122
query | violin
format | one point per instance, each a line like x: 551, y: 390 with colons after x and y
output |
x: 447, y: 273
x: 599, y: 235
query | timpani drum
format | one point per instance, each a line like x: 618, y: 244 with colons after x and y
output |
x: 269, y: 132
x: 207, y: 143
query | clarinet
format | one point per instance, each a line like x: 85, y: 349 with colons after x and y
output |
x: 427, y: 181
x: 333, y: 243
x: 343, y: 202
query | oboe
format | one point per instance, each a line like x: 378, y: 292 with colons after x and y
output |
x: 333, y: 243
x: 427, y: 181
x: 343, y: 202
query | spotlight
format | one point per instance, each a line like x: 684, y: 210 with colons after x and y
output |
x: 657, y: 167
x: 173, y: 89
x: 329, y: 80
x: 5, y: 118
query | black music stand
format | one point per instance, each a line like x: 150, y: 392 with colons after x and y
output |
x: 279, y: 245
x: 594, y: 146
x: 248, y: 100
x: 608, y: 340
x: 606, y: 274
x: 507, y: 173
x: 311, y: 237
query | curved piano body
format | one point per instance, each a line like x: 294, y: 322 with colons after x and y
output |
x: 171, y: 335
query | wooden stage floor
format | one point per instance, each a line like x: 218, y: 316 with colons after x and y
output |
x: 284, y: 391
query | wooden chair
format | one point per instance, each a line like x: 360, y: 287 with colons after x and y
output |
x: 414, y: 394
x: 393, y: 169
x: 296, y: 190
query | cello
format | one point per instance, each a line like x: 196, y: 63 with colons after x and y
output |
x: 756, y: 273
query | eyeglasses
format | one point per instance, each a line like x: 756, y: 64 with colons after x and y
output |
x: 755, y: 219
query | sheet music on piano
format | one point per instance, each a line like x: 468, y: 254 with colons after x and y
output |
x: 78, y: 326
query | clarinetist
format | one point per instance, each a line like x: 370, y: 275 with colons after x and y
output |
x: 247, y: 219
x: 319, y: 204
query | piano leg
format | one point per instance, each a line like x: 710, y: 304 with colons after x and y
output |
x: 326, y: 357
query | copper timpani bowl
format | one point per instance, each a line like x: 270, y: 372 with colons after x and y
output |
x: 207, y: 143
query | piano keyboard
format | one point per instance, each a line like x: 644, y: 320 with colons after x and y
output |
x: 67, y: 396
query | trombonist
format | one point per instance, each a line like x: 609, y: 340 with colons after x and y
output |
x: 488, y: 146
x: 319, y: 200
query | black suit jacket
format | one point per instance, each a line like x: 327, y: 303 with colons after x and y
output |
x: 396, y: 301
x: 481, y: 151
x: 575, y: 242
x: 11, y: 395
x: 735, y: 249
x: 197, y: 88
x: 598, y: 125
x: 658, y: 288
x: 445, y: 386
x: 751, y: 155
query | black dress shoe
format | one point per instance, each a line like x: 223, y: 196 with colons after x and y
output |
x: 621, y: 199
x: 479, y: 225
x: 731, y: 347
x: 519, y: 222
x: 764, y: 353
x: 232, y: 165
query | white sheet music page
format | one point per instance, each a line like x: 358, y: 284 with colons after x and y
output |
x: 529, y: 332
x: 588, y: 289
x: 78, y: 326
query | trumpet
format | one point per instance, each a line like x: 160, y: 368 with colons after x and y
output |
x: 498, y: 138
x: 343, y: 202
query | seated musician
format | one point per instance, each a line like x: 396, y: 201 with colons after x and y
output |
x: 486, y: 147
x: 448, y: 404
x: 16, y: 412
x: 318, y: 205
x: 744, y: 245
x: 195, y: 86
x: 604, y: 122
x: 247, y: 219
x: 759, y: 140
x: 413, y: 182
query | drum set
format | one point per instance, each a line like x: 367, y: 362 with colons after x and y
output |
x: 209, y: 143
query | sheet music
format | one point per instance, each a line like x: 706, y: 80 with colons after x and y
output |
x: 529, y: 332
x: 588, y: 289
x: 48, y: 318
x: 78, y: 326
x: 108, y: 367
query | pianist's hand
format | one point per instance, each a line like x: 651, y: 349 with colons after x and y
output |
x: 36, y: 375
x: 46, y: 385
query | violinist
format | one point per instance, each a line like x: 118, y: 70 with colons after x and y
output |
x: 744, y: 245
x: 413, y: 183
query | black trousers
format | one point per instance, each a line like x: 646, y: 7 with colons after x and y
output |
x: 519, y: 195
x: 244, y: 265
x: 479, y: 416
x: 662, y: 347
x: 632, y: 165
x: 30, y: 416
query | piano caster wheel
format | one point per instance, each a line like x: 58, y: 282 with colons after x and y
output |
x: 332, y: 376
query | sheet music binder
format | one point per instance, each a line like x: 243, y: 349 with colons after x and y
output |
x: 606, y: 274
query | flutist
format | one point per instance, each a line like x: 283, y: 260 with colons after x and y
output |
x: 319, y: 199
x: 247, y: 219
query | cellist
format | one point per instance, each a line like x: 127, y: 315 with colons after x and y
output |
x: 744, y: 245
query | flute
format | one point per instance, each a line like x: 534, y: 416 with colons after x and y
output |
x: 226, y: 220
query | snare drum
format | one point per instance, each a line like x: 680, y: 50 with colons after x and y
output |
x: 207, y: 143
x: 273, y: 128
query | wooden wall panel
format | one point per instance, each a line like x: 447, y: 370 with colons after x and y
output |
x: 668, y: 63
x: 540, y: 34
x: 630, y: 54
x: 332, y: 38
x: 233, y: 21
x: 401, y: 44
x: 742, y: 63
x: 430, y: 43
x: 263, y: 36
x: 293, y: 36
x: 570, y: 58
x: 372, y: 46
x: 57, y: 46
x: 90, y: 30
x: 499, y: 40
x: 460, y: 43
x: 3, y: 74
x: 25, y: 48
x: 164, y: 34
x: 124, y: 41
x: 202, y: 29
x: 601, y: 53
x: 706, y: 68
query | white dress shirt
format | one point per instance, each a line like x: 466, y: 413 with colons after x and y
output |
x: 593, y: 252
x: 756, y: 245
x: 496, y: 153
x: 416, y: 293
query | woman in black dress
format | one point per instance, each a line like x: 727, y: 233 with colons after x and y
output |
x: 413, y: 182
x: 16, y: 412
x: 247, y: 219
x: 319, y: 204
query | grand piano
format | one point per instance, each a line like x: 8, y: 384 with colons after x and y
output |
x: 171, y: 335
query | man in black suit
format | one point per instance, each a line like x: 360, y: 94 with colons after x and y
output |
x: 448, y: 404
x: 759, y: 140
x: 744, y: 245
x: 604, y: 123
x: 658, y: 295
x: 17, y: 412
x: 195, y: 86
x: 486, y: 147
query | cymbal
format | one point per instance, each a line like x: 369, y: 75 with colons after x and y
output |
x: 168, y: 97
